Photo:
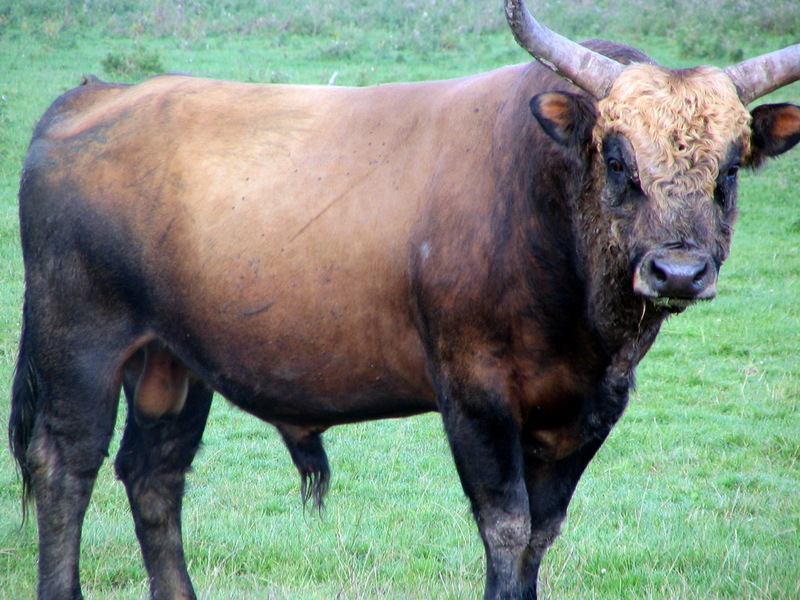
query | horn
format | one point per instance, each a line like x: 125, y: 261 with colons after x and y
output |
x: 761, y: 75
x: 589, y: 70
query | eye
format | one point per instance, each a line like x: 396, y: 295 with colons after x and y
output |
x: 725, y: 191
x: 615, y: 165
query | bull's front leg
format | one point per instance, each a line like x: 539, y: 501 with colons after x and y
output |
x: 550, y: 485
x: 485, y: 441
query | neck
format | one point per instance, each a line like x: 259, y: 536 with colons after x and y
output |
x: 626, y: 323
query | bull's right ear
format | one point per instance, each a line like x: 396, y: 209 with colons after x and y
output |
x: 776, y: 129
x: 567, y: 118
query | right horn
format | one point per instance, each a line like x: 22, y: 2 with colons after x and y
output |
x: 589, y: 70
x: 763, y: 74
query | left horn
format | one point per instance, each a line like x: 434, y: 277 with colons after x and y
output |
x: 589, y: 70
x: 761, y: 75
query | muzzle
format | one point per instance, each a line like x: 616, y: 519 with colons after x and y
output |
x: 676, y: 275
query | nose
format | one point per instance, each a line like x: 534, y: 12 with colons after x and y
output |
x: 678, y: 274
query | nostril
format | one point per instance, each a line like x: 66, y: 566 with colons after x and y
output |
x: 701, y: 274
x: 659, y: 274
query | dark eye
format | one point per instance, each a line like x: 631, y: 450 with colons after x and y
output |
x: 615, y: 165
x: 726, y: 186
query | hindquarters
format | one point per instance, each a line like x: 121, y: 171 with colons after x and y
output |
x: 66, y: 381
x: 83, y: 336
x: 79, y: 328
x: 64, y: 404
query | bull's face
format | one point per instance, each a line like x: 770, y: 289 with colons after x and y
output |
x: 665, y: 150
x: 666, y: 147
x: 669, y: 146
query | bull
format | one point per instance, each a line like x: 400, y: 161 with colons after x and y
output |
x: 501, y: 248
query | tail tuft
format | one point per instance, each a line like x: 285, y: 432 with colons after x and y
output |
x: 308, y: 454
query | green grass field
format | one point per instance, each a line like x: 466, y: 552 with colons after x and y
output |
x: 696, y: 495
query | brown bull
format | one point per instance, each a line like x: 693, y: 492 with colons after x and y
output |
x: 501, y: 248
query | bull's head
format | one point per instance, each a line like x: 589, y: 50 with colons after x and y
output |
x: 669, y: 144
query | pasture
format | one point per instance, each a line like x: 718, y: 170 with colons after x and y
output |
x: 696, y: 494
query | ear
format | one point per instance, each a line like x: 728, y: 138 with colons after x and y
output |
x: 567, y: 118
x: 776, y: 129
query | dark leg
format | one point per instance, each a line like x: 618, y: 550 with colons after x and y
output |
x: 550, y: 487
x: 152, y: 463
x: 485, y: 441
x: 77, y: 399
x: 518, y: 499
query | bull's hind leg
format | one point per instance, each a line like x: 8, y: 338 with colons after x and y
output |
x: 65, y: 401
x: 157, y: 450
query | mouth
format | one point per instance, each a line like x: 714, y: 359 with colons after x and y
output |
x: 671, y: 305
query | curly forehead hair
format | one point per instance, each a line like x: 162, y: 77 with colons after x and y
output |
x: 681, y: 125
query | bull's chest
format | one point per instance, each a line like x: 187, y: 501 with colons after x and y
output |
x: 561, y: 406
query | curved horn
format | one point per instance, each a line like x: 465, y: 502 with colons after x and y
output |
x: 761, y: 75
x: 588, y: 70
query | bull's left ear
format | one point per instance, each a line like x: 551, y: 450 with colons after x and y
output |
x: 567, y: 118
x: 776, y: 129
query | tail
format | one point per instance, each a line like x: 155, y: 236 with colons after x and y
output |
x: 24, y: 406
x: 308, y: 454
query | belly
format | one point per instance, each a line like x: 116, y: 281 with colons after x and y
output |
x: 320, y: 340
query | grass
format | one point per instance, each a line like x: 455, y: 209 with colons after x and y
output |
x: 695, y: 495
